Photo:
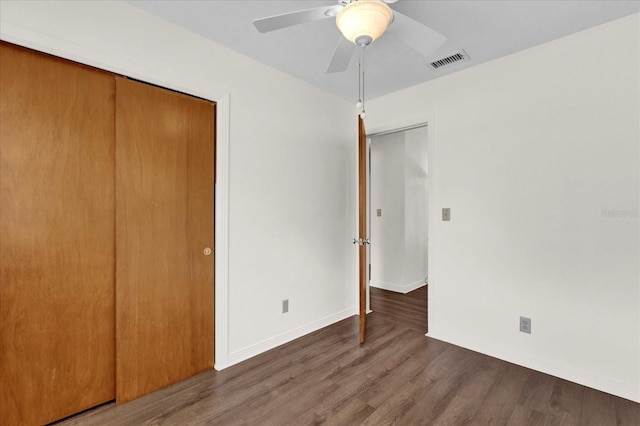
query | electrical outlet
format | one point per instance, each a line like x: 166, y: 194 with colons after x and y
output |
x: 525, y: 325
x: 446, y: 214
x: 285, y: 306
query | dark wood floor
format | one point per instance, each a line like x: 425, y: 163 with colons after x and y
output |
x: 408, y: 309
x: 398, y: 376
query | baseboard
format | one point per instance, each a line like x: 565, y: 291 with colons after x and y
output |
x: 398, y: 288
x: 238, y: 356
x: 624, y: 390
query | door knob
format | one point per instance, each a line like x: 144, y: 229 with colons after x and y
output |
x: 207, y: 251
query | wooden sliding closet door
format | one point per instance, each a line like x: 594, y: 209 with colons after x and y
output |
x: 164, y: 237
x: 57, y: 343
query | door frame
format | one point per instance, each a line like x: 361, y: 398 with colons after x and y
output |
x: 397, y: 126
x: 160, y: 77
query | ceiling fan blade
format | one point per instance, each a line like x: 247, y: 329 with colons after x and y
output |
x: 417, y: 36
x: 341, y: 56
x: 294, y: 18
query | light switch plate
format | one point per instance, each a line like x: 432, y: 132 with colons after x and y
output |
x: 446, y: 214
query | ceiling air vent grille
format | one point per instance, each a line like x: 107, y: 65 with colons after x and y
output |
x: 449, y: 60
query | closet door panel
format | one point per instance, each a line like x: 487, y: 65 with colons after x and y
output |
x: 57, y: 313
x: 164, y: 217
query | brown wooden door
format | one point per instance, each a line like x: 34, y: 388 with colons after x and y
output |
x: 164, y: 222
x: 57, y: 309
x: 362, y: 226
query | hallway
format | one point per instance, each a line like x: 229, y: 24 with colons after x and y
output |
x: 409, y: 310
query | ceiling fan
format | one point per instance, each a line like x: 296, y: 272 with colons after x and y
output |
x: 361, y: 22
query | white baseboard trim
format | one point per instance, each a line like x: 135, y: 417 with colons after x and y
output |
x: 238, y: 356
x: 398, y: 288
x: 628, y: 391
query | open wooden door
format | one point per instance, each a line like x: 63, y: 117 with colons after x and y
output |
x: 164, y: 237
x: 363, y: 241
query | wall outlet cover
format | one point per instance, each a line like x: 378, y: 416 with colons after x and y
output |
x: 525, y: 325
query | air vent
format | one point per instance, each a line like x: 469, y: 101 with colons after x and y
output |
x: 450, y: 60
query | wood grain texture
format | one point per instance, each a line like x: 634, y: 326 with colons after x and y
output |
x: 362, y: 227
x: 398, y: 376
x: 57, y: 256
x: 408, y: 309
x: 164, y: 221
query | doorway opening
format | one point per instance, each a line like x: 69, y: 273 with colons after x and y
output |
x: 399, y: 225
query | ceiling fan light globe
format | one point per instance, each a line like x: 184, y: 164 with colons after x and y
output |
x: 364, y: 18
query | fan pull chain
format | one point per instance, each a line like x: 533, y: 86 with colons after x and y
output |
x: 363, y: 114
x: 359, y: 103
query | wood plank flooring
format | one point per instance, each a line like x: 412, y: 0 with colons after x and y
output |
x: 408, y: 309
x: 398, y: 376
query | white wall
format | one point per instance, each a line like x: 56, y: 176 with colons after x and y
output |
x: 529, y: 151
x: 291, y: 168
x: 416, y: 188
x: 387, y: 194
x: 399, y: 185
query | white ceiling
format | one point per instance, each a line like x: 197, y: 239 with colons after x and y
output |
x: 486, y: 30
